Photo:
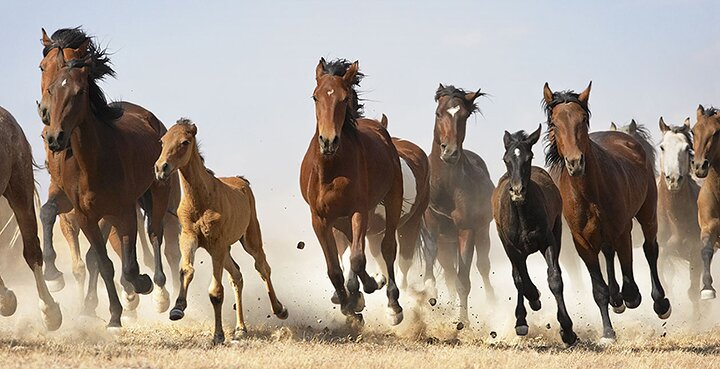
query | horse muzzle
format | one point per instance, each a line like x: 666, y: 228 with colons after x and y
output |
x: 575, y: 166
x: 449, y: 154
x: 673, y: 183
x: 162, y: 171
x: 328, y: 147
x: 57, y: 142
x: 517, y: 194
x: 701, y: 168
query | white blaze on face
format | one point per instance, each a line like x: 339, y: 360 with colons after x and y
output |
x: 452, y: 111
x: 64, y: 82
x: 409, y: 191
x: 675, y: 155
x: 330, y: 92
x: 517, y: 152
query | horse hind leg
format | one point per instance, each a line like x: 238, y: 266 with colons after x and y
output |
x: 708, y: 237
x: 71, y: 231
x: 236, y: 281
x: 647, y: 217
x: 171, y: 227
x: 393, y: 207
x: 630, y: 291
x: 482, y: 246
x: 216, y: 291
x: 555, y: 282
x: 600, y: 290
x: 20, y: 199
x: 252, y: 243
x: 616, y: 299
x: 188, y: 247
x: 148, y: 258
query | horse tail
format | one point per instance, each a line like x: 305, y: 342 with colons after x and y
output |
x: 425, y: 247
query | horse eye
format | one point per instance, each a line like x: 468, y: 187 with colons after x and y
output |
x: 662, y: 148
x: 314, y: 98
x: 185, y: 143
x: 437, y: 114
x: 41, y: 68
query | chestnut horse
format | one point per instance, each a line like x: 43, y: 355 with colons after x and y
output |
x: 528, y: 214
x: 215, y: 213
x: 105, y: 158
x: 460, y: 210
x: 17, y: 185
x: 605, y: 180
x: 351, y: 167
x: 416, y: 194
x: 707, y: 165
x: 678, y: 193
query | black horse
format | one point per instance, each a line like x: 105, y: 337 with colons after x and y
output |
x: 527, y: 208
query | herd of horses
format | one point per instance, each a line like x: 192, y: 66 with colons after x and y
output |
x: 114, y: 166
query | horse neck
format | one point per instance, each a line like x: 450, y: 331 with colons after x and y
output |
x: 87, y: 147
x: 196, y: 182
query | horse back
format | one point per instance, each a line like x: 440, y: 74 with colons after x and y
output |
x: 381, y: 158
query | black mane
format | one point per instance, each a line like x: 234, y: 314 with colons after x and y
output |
x: 645, y: 138
x: 355, y: 110
x: 452, y: 91
x: 99, y: 65
x: 709, y: 112
x: 552, y: 156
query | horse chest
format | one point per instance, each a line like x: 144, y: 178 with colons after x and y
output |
x: 333, y: 198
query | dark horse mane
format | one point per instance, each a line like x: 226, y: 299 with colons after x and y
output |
x: 552, y: 156
x: 709, y: 112
x: 452, y: 91
x: 646, y: 142
x: 355, y: 110
x: 100, y: 67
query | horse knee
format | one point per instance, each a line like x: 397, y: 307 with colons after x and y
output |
x: 32, y: 253
x: 216, y: 293
x: 555, y: 281
x: 48, y: 213
x: 358, y: 262
x: 130, y: 271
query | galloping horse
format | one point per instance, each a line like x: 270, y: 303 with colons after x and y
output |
x: 678, y: 226
x: 215, y: 213
x: 460, y: 211
x: 105, y: 155
x: 707, y: 165
x: 18, y: 187
x: 528, y: 214
x: 416, y: 194
x: 351, y: 168
x: 605, y: 180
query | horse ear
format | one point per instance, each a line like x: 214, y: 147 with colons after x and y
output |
x: 349, y: 76
x: 663, y: 127
x: 193, y: 129
x: 585, y: 95
x: 547, y: 94
x: 384, y: 121
x: 613, y: 127
x: 82, y: 50
x: 320, y: 69
x: 633, y: 125
x: 535, y: 136
x: 46, y: 41
x: 507, y: 139
x: 471, y: 96
x: 700, y: 111
x: 440, y: 87
x: 687, y: 122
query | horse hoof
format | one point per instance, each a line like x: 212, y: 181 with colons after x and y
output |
x: 143, y: 285
x: 130, y: 302
x: 606, y: 341
x: 335, y: 299
x: 380, y: 280
x: 238, y: 334
x: 707, y: 294
x: 430, y: 289
x: 114, y: 330
x: 667, y: 313
x: 355, y: 321
x: 360, y: 304
x: 619, y: 309
x: 282, y: 314
x: 394, y: 318
x: 51, y: 314
x: 521, y: 330
x: 570, y: 338
x: 162, y: 299
x: 218, y: 338
x: 535, y: 305
x: 176, y: 314
x: 57, y: 284
x: 8, y: 303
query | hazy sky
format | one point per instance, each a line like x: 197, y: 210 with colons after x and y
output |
x: 244, y: 71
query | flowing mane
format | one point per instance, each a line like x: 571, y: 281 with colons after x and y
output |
x: 355, y: 111
x: 645, y: 138
x: 99, y: 65
x: 452, y: 91
x: 709, y: 112
x: 552, y: 156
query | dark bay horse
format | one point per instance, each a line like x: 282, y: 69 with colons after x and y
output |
x: 416, y: 194
x: 106, y: 155
x: 605, y: 180
x: 460, y: 210
x: 17, y: 185
x: 528, y: 214
x: 642, y: 135
x: 707, y: 165
x: 678, y: 227
x: 350, y: 167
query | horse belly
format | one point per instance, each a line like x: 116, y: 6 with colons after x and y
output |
x: 409, y: 193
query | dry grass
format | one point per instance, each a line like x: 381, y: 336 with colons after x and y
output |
x: 164, y: 345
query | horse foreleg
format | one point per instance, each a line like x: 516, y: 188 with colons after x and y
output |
x: 188, y: 247
x: 155, y: 233
x: 236, y: 281
x: 466, y: 250
x: 708, y: 241
x: 148, y: 259
x: 616, y: 299
x: 71, y: 231
x: 324, y: 233
x: 393, y: 206
x: 216, y: 290
x: 57, y: 203
x: 482, y: 245
x: 552, y: 254
x: 630, y: 292
x: 171, y: 230
x: 601, y: 293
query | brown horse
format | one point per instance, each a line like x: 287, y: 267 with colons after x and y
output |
x: 214, y: 213
x: 605, y: 180
x: 642, y: 135
x: 106, y: 154
x: 17, y: 185
x: 678, y: 193
x: 460, y: 211
x: 416, y: 194
x: 707, y: 165
x: 351, y: 166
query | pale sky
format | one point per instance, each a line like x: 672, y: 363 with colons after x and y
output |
x: 244, y: 71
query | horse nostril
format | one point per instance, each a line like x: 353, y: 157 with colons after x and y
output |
x: 444, y: 145
x: 335, y: 140
x: 60, y: 136
x: 165, y: 167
